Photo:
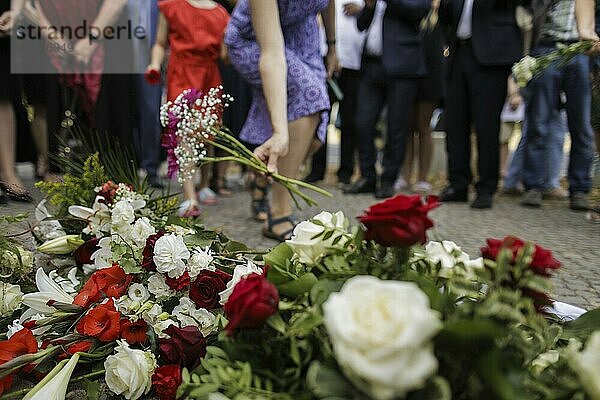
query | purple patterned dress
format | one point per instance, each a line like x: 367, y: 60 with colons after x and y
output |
x: 306, y: 86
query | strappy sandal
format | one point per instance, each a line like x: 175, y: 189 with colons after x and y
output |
x: 281, y: 237
x: 189, y: 209
x: 16, y: 192
x: 261, y: 205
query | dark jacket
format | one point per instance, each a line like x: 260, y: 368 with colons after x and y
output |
x: 403, y: 53
x: 496, y: 38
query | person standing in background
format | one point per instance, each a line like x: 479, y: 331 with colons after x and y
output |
x: 193, y: 30
x: 392, y: 62
x: 485, y: 42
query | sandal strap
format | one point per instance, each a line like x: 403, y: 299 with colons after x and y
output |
x: 277, y: 221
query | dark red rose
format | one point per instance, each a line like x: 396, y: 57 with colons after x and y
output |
x: 148, y: 253
x: 101, y: 322
x: 178, y: 284
x: 542, y: 263
x: 166, y: 380
x: 400, y: 221
x: 83, y: 254
x: 134, y: 332
x: 253, y: 300
x: 112, y: 282
x: 205, y: 289
x: 186, y: 346
x: 152, y: 76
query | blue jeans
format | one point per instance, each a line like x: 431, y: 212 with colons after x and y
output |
x: 147, y: 132
x: 572, y: 79
x: 554, y: 155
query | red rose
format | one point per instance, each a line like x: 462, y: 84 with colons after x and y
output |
x: 101, y: 322
x: 148, y: 253
x: 134, y: 332
x: 178, y: 284
x: 543, y: 261
x: 400, y: 221
x: 253, y: 300
x: 112, y: 282
x: 205, y: 289
x: 186, y: 346
x: 83, y: 254
x: 22, y: 342
x: 152, y: 76
x: 166, y: 380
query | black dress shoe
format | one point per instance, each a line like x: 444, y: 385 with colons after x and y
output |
x: 451, y: 194
x: 385, y: 191
x: 361, y: 186
x: 482, y: 201
x: 310, y: 178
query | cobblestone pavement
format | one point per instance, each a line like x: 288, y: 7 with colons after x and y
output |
x: 574, y: 240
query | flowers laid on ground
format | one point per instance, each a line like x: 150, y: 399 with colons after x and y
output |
x: 159, y: 306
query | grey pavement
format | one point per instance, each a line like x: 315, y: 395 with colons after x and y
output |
x: 574, y: 240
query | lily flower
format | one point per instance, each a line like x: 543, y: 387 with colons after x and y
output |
x: 47, y: 290
x: 98, y: 217
x: 54, y: 385
x: 61, y: 245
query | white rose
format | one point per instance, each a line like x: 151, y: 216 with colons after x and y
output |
x: 141, y: 230
x: 169, y: 255
x: 129, y: 371
x: 200, y: 260
x: 187, y: 314
x: 586, y: 364
x: 10, y: 298
x: 159, y: 288
x: 239, y: 272
x: 122, y: 214
x: 138, y: 292
x: 381, y: 333
x: 103, y: 256
x: 448, y: 254
x: 308, y: 249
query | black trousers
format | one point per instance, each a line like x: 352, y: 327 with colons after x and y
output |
x: 348, y: 81
x: 475, y: 97
x: 374, y: 91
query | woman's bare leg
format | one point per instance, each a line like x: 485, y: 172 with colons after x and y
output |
x: 302, y: 132
x: 8, y: 145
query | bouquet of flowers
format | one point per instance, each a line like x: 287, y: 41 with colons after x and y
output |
x: 530, y: 67
x: 193, y: 121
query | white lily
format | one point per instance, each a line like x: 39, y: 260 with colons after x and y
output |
x: 47, y: 290
x: 46, y: 228
x: 61, y: 245
x: 54, y: 385
x: 98, y: 217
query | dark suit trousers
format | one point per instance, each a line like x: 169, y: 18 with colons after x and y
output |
x: 475, y: 97
x: 374, y: 91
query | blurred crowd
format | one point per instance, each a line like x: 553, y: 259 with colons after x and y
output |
x: 404, y: 68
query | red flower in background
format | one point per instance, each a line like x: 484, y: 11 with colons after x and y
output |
x: 83, y: 254
x: 22, y: 342
x: 253, y: 300
x: 112, y: 282
x: 148, y: 253
x: 400, y: 221
x: 178, y: 284
x: 101, y: 322
x: 205, y: 289
x: 542, y: 263
x: 152, y: 76
x: 186, y: 346
x: 134, y: 332
x: 166, y: 380
x: 108, y: 191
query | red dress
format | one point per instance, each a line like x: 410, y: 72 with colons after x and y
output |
x: 195, y: 39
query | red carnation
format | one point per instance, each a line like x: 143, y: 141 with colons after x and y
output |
x: 166, y: 380
x: 542, y: 262
x: 178, y: 284
x: 400, y: 221
x: 22, y: 342
x: 152, y: 76
x: 253, y: 300
x: 101, y: 322
x: 148, y: 253
x: 134, y: 332
x: 83, y: 254
x: 205, y: 289
x: 186, y: 346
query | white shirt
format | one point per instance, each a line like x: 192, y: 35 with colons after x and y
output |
x: 374, y: 45
x: 349, y: 40
x: 465, y: 22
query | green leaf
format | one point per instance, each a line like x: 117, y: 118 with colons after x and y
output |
x: 233, y: 247
x: 279, y: 256
x: 203, y: 390
x: 92, y: 389
x: 322, y: 289
x: 277, y: 323
x: 582, y: 327
x: 327, y: 382
x: 469, y: 336
x: 299, y: 286
x: 437, y: 388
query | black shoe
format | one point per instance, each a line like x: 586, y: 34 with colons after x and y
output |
x: 451, y: 194
x: 310, y: 178
x: 154, y: 182
x: 3, y: 198
x: 482, y: 201
x: 385, y: 191
x: 361, y: 186
x: 579, y: 202
x: 343, y: 181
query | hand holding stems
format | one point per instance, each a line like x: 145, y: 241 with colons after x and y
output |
x: 352, y: 9
x: 272, y: 150
x: 6, y: 23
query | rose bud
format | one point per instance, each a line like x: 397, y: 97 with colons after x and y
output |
x: 186, y: 346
